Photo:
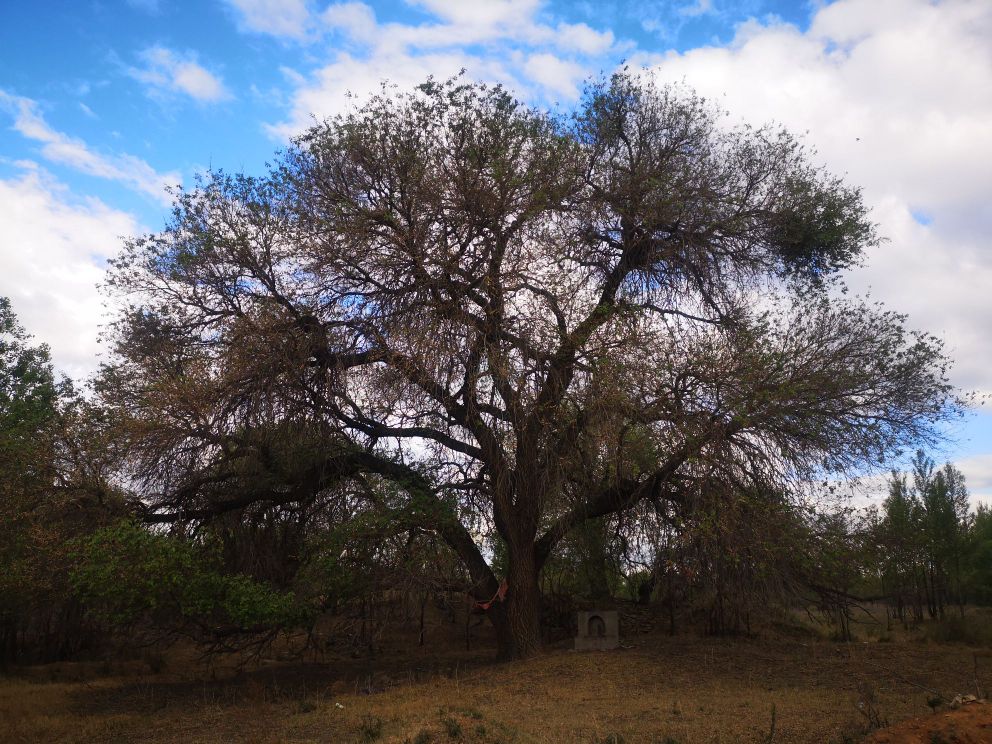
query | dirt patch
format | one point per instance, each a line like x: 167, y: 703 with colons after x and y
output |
x: 970, y: 724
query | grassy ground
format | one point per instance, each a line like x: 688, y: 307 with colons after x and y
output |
x: 661, y: 689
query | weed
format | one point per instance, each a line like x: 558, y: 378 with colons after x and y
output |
x: 423, y: 737
x: 452, y: 726
x: 935, y: 700
x: 371, y: 728
x: 307, y: 706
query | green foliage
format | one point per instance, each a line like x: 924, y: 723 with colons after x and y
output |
x: 926, y: 541
x: 126, y: 573
x: 41, y: 501
x: 29, y: 393
x: 979, y: 566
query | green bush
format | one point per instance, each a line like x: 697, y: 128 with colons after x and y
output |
x: 126, y: 573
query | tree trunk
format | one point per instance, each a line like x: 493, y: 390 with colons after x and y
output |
x: 517, y: 618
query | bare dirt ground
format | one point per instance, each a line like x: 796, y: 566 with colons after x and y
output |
x: 659, y: 689
x: 971, y: 724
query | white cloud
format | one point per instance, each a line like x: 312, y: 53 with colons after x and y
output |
x: 698, y: 8
x: 896, y: 95
x: 555, y: 74
x: 356, y: 19
x: 581, y: 38
x: 488, y: 14
x: 166, y: 71
x: 281, y: 18
x: 941, y: 278
x: 60, y: 148
x: 53, y: 250
x: 519, y: 48
x: 328, y: 90
x: 978, y: 477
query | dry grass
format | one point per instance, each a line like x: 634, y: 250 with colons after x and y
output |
x: 664, y: 689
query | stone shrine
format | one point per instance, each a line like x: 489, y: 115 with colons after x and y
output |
x: 599, y: 630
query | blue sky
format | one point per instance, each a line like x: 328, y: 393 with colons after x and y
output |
x: 110, y: 73
x: 102, y: 104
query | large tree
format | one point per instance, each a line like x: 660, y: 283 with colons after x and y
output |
x: 516, y: 321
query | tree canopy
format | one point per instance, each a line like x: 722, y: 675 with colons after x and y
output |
x: 496, y: 323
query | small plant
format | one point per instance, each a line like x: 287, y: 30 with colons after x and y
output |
x: 613, y: 739
x: 452, y: 726
x: 423, y: 737
x: 371, y: 728
x: 307, y: 706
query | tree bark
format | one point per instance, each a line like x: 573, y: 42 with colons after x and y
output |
x: 517, y: 619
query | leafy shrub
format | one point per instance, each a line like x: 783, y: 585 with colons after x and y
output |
x: 125, y: 573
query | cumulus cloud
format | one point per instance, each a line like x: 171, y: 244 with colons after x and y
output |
x: 697, y: 8
x: 896, y: 95
x: 166, y: 71
x: 533, y: 56
x: 491, y: 13
x: 978, y: 477
x: 282, y: 18
x: 356, y: 20
x: 328, y: 90
x: 54, y: 249
x: 63, y: 149
x: 556, y: 75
